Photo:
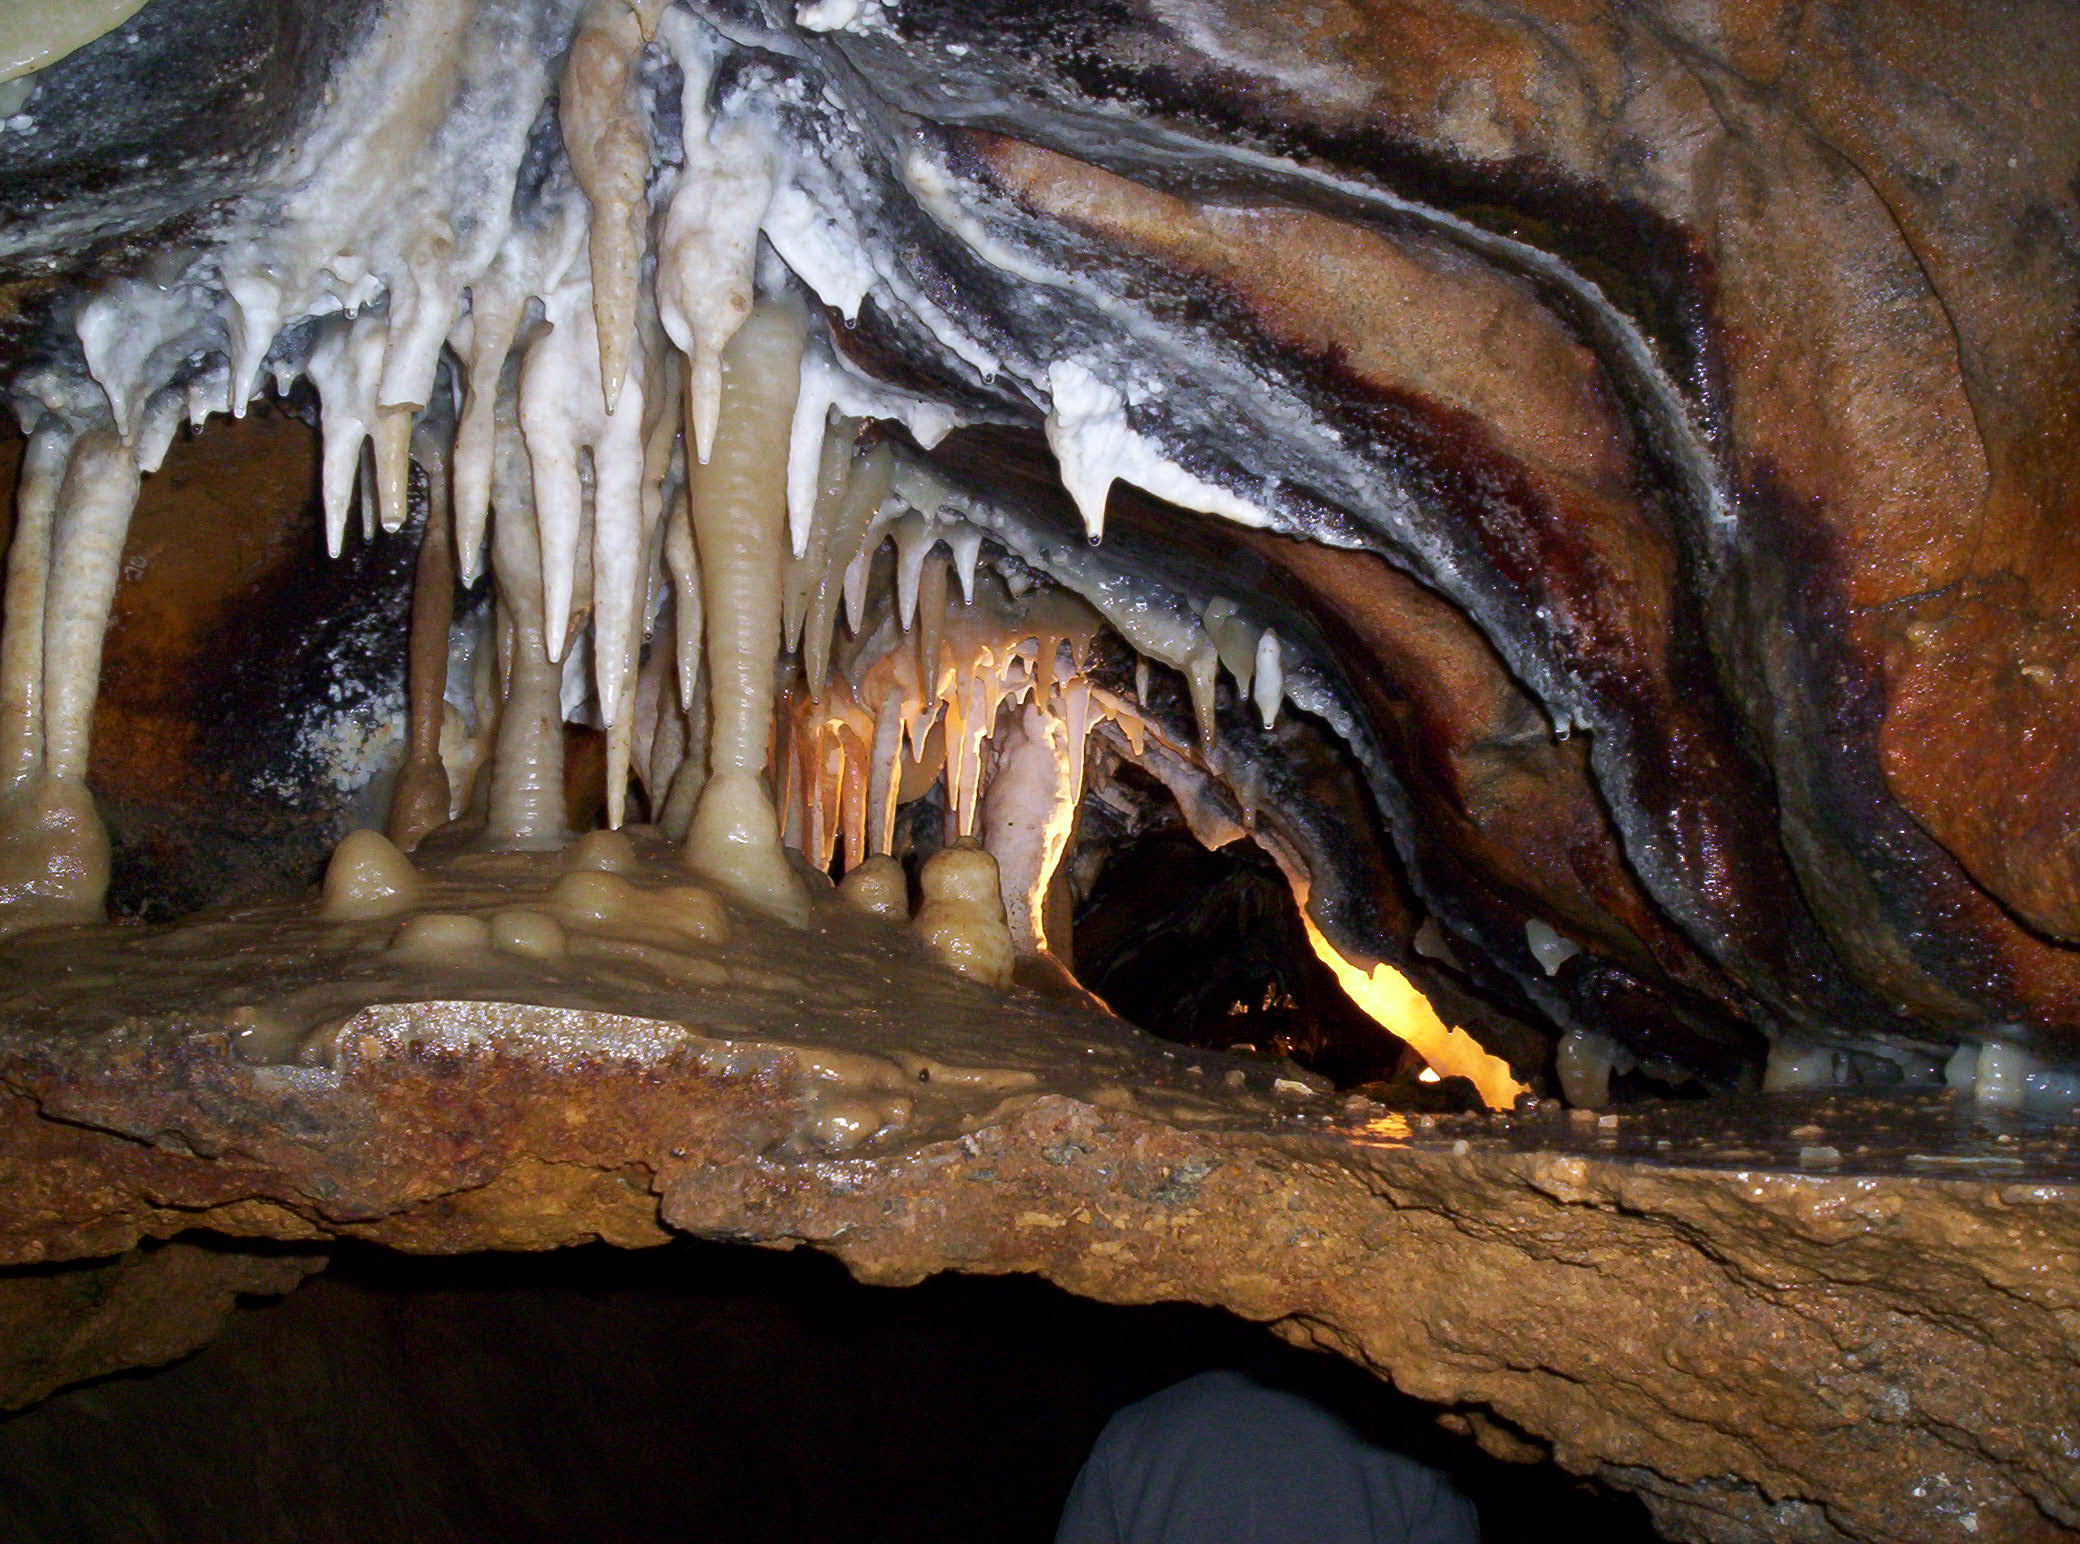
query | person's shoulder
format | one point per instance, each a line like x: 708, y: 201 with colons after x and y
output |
x: 1219, y: 1388
x: 1223, y: 1398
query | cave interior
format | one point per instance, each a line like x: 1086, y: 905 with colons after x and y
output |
x: 1374, y: 690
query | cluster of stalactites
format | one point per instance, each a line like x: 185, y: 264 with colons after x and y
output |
x: 968, y: 690
x: 586, y: 347
x: 622, y: 407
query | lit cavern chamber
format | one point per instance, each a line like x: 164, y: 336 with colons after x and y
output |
x: 885, y: 462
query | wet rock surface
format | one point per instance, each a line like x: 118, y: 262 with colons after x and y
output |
x: 1878, y: 1348
x: 1661, y: 423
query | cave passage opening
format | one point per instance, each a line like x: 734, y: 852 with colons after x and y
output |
x: 691, y: 1391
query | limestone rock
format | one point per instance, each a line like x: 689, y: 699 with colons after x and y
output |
x: 1872, y: 1353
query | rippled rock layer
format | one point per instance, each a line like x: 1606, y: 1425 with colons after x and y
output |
x: 1823, y: 1320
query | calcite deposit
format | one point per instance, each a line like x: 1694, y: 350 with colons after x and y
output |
x: 598, y: 588
x: 1638, y: 437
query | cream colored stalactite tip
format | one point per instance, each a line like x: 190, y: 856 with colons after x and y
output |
x: 34, y: 33
x: 961, y: 919
x: 368, y: 877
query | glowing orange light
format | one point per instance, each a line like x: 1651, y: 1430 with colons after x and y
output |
x: 1391, y: 1001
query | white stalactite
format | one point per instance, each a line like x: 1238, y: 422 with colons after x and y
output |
x: 607, y: 132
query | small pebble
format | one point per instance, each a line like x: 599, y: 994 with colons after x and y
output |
x: 1818, y: 1157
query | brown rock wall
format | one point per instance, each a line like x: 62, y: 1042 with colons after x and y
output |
x: 1760, y: 1352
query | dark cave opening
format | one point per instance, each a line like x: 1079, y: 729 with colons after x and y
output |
x: 694, y: 1391
x: 1205, y: 946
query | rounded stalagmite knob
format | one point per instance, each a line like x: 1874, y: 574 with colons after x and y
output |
x: 368, y: 877
x: 878, y: 887
x: 962, y: 915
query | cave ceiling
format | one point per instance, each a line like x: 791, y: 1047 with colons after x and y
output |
x: 1584, y: 489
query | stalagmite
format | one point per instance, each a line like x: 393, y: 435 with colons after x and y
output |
x: 620, y: 752
x: 608, y: 852
x: 676, y: 818
x: 530, y: 934
x: 28, y: 581
x: 53, y: 847
x: 419, y: 802
x: 739, y: 505
x: 961, y: 914
x: 525, y: 807
x: 658, y: 722
x: 440, y: 938
x: 368, y: 877
x: 878, y: 887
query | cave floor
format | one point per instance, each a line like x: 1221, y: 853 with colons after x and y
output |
x: 1822, y: 1316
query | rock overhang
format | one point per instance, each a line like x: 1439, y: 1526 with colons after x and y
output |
x: 1489, y: 399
